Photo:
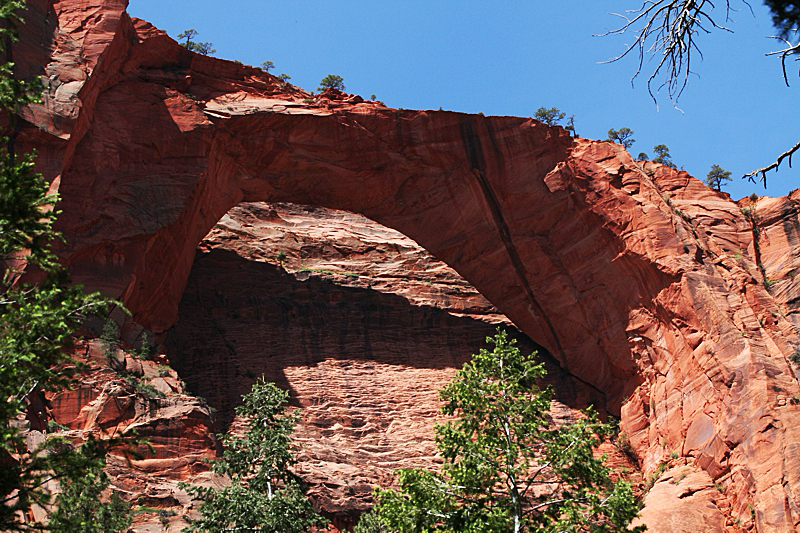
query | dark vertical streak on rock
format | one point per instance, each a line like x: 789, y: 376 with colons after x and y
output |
x: 478, y: 163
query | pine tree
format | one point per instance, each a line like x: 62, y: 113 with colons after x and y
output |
x: 623, y: 136
x: 551, y: 117
x: 662, y: 156
x: 331, y: 81
x: 716, y: 177
x: 197, y: 47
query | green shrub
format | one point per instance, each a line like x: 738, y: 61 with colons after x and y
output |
x: 370, y: 522
x: 53, y: 426
x: 144, y: 389
x: 109, y: 339
x: 623, y: 444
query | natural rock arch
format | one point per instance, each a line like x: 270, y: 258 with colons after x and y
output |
x: 573, y: 240
x: 485, y: 195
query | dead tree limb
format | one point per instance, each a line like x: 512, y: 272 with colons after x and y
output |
x: 668, y: 29
x: 763, y: 171
x: 791, y: 49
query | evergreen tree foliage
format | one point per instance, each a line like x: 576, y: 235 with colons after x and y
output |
x: 77, y: 506
x: 331, y: 81
x: 716, y: 177
x: 662, y: 156
x: 36, y: 327
x: 571, y: 126
x: 197, y: 47
x: 505, y: 469
x: 263, y: 495
x: 551, y: 117
x: 785, y: 17
x: 623, y: 136
x: 371, y: 522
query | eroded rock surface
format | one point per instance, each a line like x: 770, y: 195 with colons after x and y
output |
x: 146, y: 397
x: 636, y: 278
x: 357, y: 321
x: 685, y: 500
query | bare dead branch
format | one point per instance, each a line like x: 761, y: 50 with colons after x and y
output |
x: 786, y: 52
x: 763, y: 171
x: 668, y: 29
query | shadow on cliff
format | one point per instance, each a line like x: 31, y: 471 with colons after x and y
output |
x: 240, y: 319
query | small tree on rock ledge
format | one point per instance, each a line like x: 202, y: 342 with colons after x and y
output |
x: 716, y: 177
x: 200, y: 48
x: 551, y: 117
x: 623, y: 136
x: 331, y: 81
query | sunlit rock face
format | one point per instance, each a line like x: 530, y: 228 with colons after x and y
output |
x: 637, y: 279
x: 358, y: 322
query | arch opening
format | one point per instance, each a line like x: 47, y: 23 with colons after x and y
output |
x: 357, y: 321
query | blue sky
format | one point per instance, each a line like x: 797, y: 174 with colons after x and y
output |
x: 512, y: 57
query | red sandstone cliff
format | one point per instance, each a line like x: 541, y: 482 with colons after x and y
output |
x: 638, y: 280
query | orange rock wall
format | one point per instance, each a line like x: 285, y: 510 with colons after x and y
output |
x: 358, y: 323
x: 637, y: 279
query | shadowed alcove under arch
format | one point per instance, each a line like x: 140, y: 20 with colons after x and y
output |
x: 358, y: 322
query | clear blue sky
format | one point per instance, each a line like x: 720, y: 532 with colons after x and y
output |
x: 512, y: 57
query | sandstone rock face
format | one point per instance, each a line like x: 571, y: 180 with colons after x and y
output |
x: 358, y: 322
x: 777, y: 221
x: 684, y: 500
x: 637, y: 279
x: 109, y: 402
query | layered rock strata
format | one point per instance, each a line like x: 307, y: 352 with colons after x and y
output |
x: 357, y: 322
x: 636, y: 279
x: 148, y: 398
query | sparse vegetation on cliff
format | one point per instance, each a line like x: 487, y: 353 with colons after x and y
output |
x: 716, y: 177
x: 197, y: 47
x: 331, y: 81
x: 662, y: 156
x: 553, y: 117
x: 668, y: 29
x: 623, y: 136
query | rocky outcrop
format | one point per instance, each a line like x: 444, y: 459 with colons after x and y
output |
x: 685, y: 500
x: 144, y: 397
x: 636, y: 278
x: 776, y: 221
